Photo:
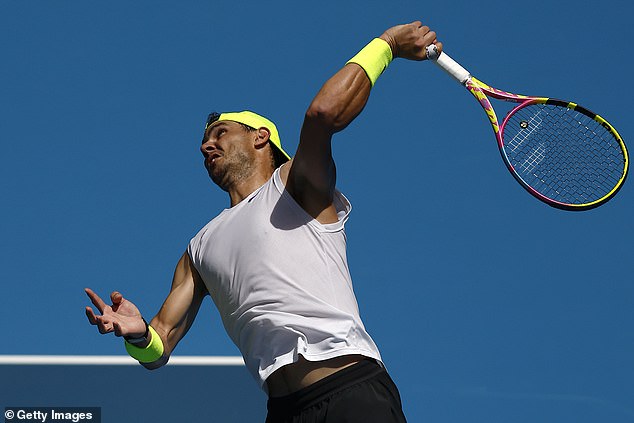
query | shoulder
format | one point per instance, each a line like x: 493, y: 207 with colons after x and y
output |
x: 284, y: 171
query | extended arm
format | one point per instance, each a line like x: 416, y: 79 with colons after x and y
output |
x: 311, y: 176
x: 181, y: 305
x: 172, y: 321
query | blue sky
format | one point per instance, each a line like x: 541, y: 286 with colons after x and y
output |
x: 487, y: 305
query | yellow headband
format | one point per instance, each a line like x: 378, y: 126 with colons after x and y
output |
x: 256, y: 121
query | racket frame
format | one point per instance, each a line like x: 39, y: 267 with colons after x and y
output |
x: 482, y: 92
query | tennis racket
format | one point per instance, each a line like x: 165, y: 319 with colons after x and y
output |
x: 562, y: 153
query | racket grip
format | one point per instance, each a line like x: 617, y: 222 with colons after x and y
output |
x: 431, y: 51
x: 447, y: 64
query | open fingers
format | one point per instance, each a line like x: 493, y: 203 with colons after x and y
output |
x: 116, y: 299
x: 117, y: 328
x: 96, y: 300
x: 104, y: 325
x: 92, y: 318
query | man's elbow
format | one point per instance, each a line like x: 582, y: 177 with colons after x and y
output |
x: 325, y: 115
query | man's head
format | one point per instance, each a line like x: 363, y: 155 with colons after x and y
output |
x: 252, y: 121
x: 240, y: 140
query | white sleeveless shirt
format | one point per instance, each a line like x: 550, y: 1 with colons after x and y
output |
x: 280, y: 281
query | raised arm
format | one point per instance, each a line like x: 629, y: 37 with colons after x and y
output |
x: 310, y: 177
x: 172, y: 321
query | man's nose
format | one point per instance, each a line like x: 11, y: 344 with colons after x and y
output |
x: 207, y: 147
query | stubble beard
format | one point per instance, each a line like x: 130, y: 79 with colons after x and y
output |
x: 234, y: 169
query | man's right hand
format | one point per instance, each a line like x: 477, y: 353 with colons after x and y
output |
x: 122, y: 317
x: 410, y: 41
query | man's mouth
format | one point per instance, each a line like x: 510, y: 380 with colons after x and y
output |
x: 209, y: 161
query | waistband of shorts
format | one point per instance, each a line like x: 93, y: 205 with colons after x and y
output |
x: 343, y: 379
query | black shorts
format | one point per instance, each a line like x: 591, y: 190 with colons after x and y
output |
x: 363, y: 393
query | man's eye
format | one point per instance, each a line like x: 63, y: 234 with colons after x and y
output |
x: 220, y: 133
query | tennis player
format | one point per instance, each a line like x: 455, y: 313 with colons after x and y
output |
x: 275, y: 263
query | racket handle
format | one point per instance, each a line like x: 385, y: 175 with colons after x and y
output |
x: 447, y: 64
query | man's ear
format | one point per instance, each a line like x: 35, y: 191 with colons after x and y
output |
x: 262, y: 138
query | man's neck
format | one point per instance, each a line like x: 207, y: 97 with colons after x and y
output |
x: 241, y: 190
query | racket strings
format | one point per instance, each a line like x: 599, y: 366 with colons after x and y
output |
x: 563, y: 154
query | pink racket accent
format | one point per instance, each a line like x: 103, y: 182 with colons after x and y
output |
x: 561, y: 153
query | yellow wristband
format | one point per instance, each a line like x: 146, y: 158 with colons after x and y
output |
x: 373, y: 58
x: 152, y: 352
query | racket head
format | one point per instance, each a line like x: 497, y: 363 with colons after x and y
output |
x: 563, y: 154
